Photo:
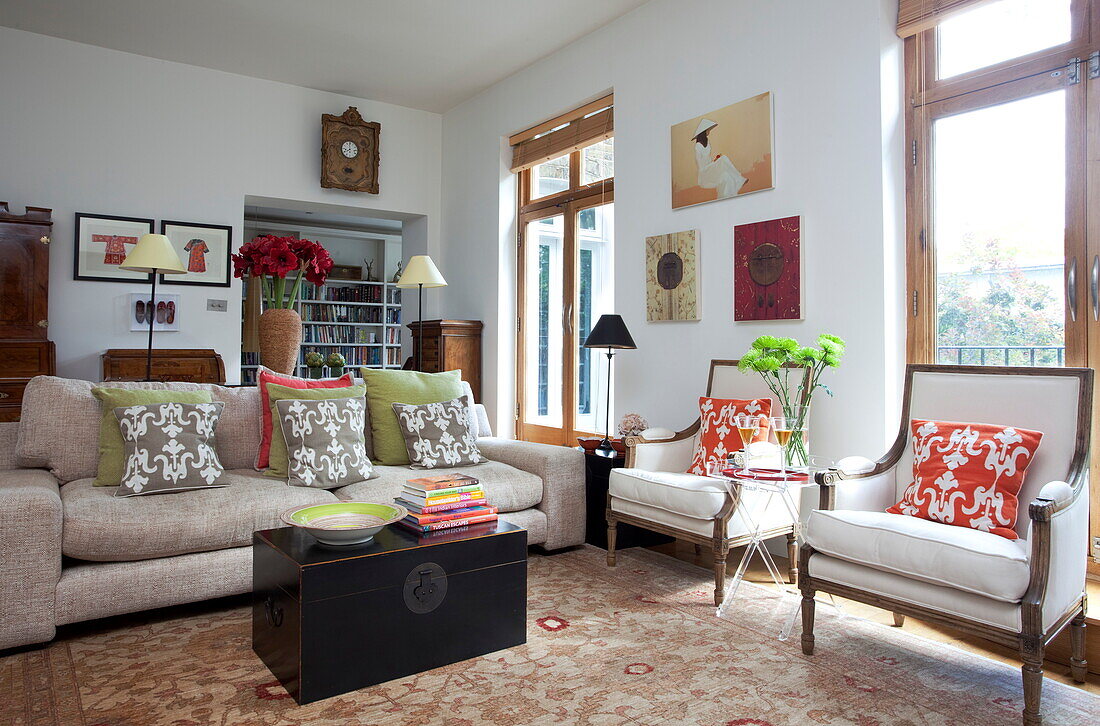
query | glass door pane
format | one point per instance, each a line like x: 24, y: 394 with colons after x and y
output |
x: 999, y: 191
x: 595, y: 280
x: 544, y: 276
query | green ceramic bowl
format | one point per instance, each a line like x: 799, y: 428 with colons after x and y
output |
x: 344, y: 523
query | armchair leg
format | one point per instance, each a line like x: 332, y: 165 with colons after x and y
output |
x: 1031, y: 651
x: 719, y: 575
x: 612, y: 530
x: 1078, y: 666
x: 808, y: 605
x: 899, y: 620
x: 792, y: 558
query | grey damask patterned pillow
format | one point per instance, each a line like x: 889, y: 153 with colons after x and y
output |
x: 324, y: 442
x: 169, y: 447
x: 438, y: 434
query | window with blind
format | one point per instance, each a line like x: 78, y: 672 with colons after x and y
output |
x: 566, y: 175
x: 1003, y: 184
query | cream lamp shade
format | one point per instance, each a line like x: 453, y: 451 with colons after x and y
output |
x: 421, y: 271
x: 154, y: 253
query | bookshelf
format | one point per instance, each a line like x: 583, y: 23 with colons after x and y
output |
x: 357, y: 318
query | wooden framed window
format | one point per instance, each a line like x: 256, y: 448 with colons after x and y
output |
x: 1003, y: 184
x: 565, y: 263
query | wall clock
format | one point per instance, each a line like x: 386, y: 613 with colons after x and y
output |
x: 767, y: 276
x: 349, y: 152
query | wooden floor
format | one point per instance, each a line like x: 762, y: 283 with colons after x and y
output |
x: 757, y: 573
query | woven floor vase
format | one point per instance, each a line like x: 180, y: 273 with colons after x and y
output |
x: 280, y: 338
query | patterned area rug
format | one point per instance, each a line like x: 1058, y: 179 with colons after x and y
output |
x: 638, y: 644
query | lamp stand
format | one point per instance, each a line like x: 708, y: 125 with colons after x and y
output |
x: 420, y: 328
x: 152, y: 316
x: 605, y: 445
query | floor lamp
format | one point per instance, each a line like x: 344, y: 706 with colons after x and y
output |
x: 609, y: 332
x: 420, y: 273
x: 153, y: 254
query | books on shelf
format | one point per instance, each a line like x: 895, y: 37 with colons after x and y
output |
x: 444, y: 501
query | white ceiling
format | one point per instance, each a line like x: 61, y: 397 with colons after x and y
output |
x: 426, y: 54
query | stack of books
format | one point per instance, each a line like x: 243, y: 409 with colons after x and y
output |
x: 444, y: 501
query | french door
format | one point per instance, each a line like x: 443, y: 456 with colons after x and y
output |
x: 1003, y: 191
x: 566, y: 265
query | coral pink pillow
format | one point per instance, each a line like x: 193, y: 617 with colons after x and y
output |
x: 718, y: 429
x: 967, y: 474
x: 269, y: 376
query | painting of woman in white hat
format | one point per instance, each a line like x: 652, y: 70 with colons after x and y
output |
x: 723, y: 153
x: 716, y: 171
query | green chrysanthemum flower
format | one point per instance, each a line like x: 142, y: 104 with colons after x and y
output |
x: 766, y: 364
x: 751, y: 355
x: 765, y: 341
x: 788, y: 344
x: 833, y: 339
x: 808, y: 355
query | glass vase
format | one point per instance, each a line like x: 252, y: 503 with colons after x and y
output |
x: 792, y: 433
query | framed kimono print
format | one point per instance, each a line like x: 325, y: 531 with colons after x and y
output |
x: 204, y: 250
x: 102, y: 243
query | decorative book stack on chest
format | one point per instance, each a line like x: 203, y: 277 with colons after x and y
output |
x: 445, y: 501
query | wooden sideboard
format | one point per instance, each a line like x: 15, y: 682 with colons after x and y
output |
x: 447, y: 345
x: 190, y: 365
x: 25, y: 351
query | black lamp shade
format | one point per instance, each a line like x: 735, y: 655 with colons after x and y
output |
x: 610, y: 332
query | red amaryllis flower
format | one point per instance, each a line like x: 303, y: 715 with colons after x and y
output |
x: 279, y: 259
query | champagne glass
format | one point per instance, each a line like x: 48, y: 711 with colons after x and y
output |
x: 747, y: 426
x: 783, y: 428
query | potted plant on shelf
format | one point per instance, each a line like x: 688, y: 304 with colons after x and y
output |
x: 268, y: 260
x: 775, y: 359
x: 336, y: 364
x: 315, y: 362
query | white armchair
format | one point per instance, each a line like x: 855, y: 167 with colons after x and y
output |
x: 654, y: 491
x: 1020, y: 593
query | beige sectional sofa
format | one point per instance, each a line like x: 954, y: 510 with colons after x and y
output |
x: 70, y: 551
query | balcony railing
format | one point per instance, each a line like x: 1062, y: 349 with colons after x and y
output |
x: 1002, y: 355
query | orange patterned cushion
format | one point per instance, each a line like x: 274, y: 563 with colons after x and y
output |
x: 967, y: 474
x: 718, y: 435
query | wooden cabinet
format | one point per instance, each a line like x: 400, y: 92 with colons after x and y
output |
x: 25, y: 351
x: 447, y: 345
x: 191, y: 365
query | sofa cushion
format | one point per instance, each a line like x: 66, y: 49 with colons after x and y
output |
x: 169, y: 448
x: 278, y: 457
x: 438, y: 435
x: 266, y: 376
x: 324, y: 442
x: 112, y: 447
x: 101, y: 527
x: 507, y: 488
x: 385, y: 388
x: 958, y: 557
x: 59, y: 424
x: 693, y: 496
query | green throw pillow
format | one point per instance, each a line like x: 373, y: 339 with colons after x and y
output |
x: 385, y: 388
x: 112, y: 451
x: 278, y: 461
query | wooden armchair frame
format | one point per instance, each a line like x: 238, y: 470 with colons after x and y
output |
x: 719, y: 542
x: 1032, y: 638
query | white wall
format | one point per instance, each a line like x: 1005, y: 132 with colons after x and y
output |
x: 85, y: 129
x: 834, y: 69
